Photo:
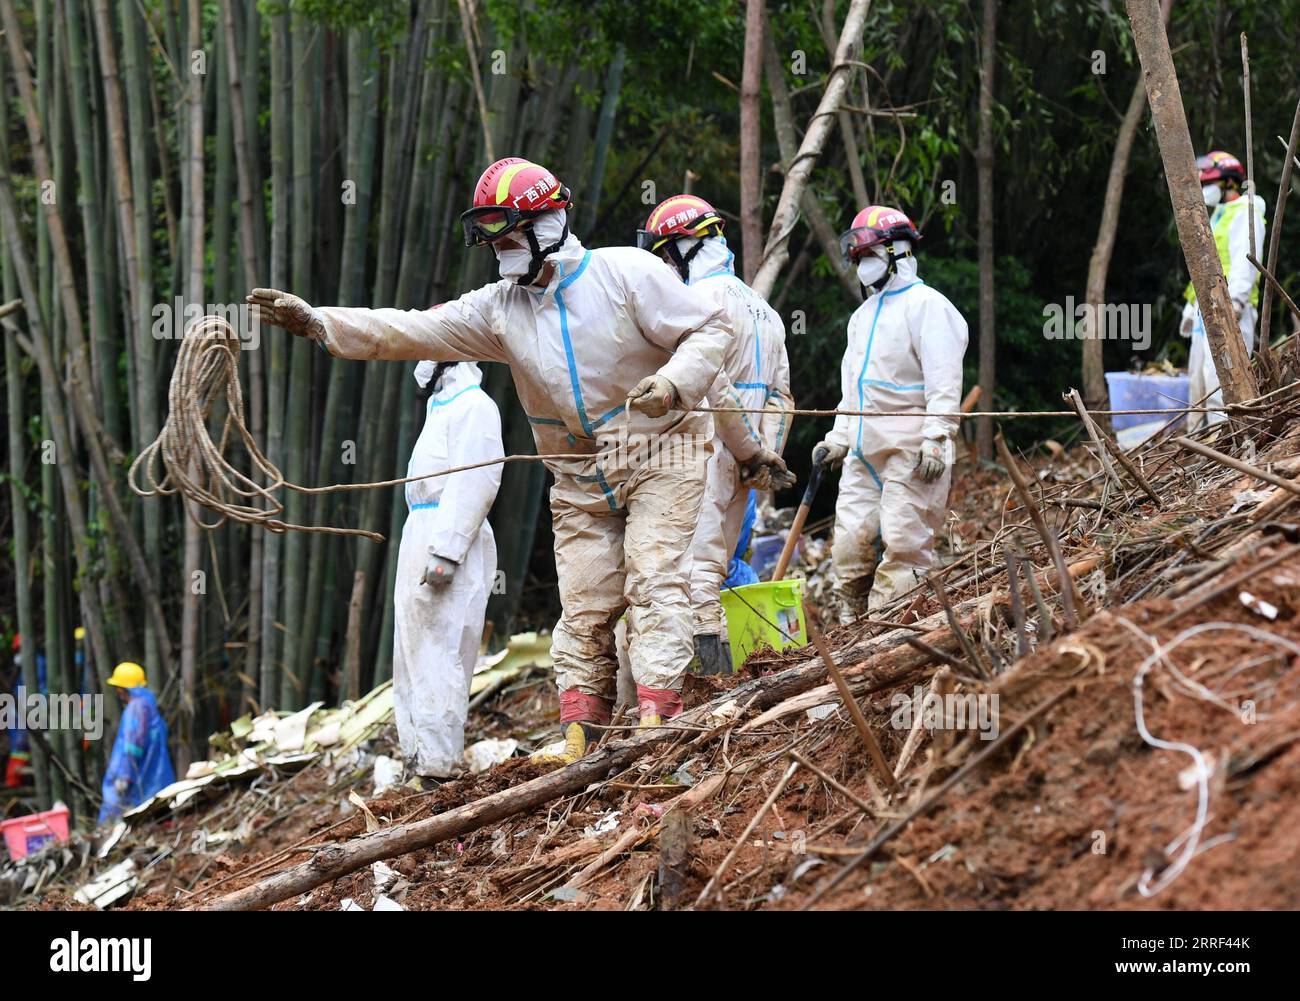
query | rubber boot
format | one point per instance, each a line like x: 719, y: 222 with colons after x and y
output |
x: 657, y: 705
x: 578, y: 739
x: 712, y: 658
x: 850, y: 599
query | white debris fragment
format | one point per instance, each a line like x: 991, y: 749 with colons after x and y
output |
x: 491, y: 751
x: 387, y: 773
x: 110, y: 886
x: 385, y: 876
x: 607, y: 823
x: 1258, y: 605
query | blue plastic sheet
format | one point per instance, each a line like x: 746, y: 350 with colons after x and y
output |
x: 140, y: 756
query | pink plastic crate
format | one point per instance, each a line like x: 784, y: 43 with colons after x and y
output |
x: 24, y: 835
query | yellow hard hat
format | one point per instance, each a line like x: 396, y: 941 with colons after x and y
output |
x: 79, y: 633
x: 127, y: 675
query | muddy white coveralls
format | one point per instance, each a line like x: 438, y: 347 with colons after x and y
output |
x: 904, y: 353
x: 623, y: 520
x: 1230, y: 224
x: 437, y: 628
x: 756, y: 374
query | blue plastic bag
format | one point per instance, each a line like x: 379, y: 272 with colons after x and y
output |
x: 740, y: 573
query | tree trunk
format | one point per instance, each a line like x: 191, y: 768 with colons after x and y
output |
x: 277, y: 350
x: 604, y: 132
x: 1226, y: 346
x: 1094, y: 376
x: 16, y: 399
x: 788, y: 142
x: 751, y: 139
x: 76, y: 344
x: 984, y: 159
x: 777, y: 250
x: 53, y: 398
x: 302, y: 354
x: 192, y: 566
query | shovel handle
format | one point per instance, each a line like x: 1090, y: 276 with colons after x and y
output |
x: 796, y: 526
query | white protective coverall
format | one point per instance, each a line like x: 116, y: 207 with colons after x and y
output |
x: 437, y: 628
x: 904, y: 353
x: 622, y: 520
x: 756, y: 374
x: 1230, y: 223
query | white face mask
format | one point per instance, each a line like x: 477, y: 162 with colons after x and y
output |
x: 871, y: 269
x: 1212, y: 194
x: 514, y: 262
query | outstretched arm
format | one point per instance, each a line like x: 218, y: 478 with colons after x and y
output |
x: 454, y: 331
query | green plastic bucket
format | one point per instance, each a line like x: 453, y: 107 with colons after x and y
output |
x: 767, y: 614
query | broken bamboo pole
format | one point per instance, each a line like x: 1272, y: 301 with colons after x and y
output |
x: 1237, y: 464
x: 850, y: 703
x: 1068, y: 597
x: 1163, y: 94
x: 925, y: 805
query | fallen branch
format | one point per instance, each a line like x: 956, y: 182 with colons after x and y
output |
x: 334, y: 861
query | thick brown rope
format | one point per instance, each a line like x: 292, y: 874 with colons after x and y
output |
x: 195, y: 466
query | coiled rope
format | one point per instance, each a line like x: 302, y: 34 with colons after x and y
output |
x: 196, y: 467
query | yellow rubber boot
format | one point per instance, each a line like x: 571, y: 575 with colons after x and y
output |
x: 577, y: 741
x: 654, y: 719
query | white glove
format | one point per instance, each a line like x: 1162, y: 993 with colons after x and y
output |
x: 439, y: 571
x: 829, y: 454
x: 284, y: 309
x: 654, y: 396
x: 121, y: 786
x: 1189, y: 320
x: 766, y: 470
x: 930, y: 462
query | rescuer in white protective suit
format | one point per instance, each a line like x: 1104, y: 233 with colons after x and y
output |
x: 609, y: 351
x: 1221, y: 178
x: 904, y: 353
x: 686, y: 231
x: 446, y: 565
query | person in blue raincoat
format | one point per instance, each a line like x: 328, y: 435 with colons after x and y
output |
x: 140, y: 764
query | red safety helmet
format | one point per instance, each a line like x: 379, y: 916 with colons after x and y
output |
x: 680, y: 215
x: 509, y: 192
x: 874, y: 225
x: 1217, y: 165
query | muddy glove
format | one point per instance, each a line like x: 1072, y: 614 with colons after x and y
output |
x: 829, y: 455
x: 439, y: 571
x: 930, y: 462
x: 121, y: 786
x: 766, y: 471
x: 1238, y: 307
x: 284, y: 309
x: 654, y: 396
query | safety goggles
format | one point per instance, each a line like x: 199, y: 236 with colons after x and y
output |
x: 486, y: 223
x: 649, y: 240
x: 859, y: 240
